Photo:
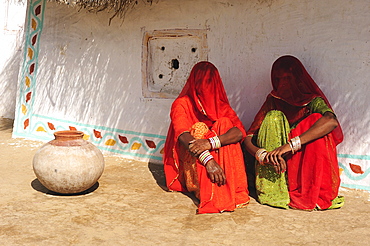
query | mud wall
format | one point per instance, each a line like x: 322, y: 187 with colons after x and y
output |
x: 81, y: 73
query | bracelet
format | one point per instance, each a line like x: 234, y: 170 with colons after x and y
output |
x: 291, y: 146
x: 215, y: 142
x: 296, y: 143
x: 260, y: 155
x: 205, y: 157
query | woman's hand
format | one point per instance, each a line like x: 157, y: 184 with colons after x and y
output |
x: 215, y: 173
x: 276, y: 159
x: 197, y: 146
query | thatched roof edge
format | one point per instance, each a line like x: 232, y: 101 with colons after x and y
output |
x: 119, y: 7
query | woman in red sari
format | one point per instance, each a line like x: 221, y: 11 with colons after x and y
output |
x: 202, y: 151
x: 294, y: 138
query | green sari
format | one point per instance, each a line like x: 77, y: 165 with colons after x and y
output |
x: 272, y: 187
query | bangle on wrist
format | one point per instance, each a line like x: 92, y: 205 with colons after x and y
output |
x: 215, y: 142
x: 205, y: 157
x: 260, y: 155
x: 295, y: 144
x: 291, y: 147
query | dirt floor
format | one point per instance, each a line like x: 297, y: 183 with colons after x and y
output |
x: 130, y: 207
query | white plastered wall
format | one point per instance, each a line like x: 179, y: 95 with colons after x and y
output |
x: 12, y: 16
x: 90, y: 71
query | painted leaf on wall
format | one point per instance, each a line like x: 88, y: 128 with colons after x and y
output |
x: 162, y: 151
x: 34, y: 39
x: 38, y: 10
x: 110, y: 142
x: 51, y: 126
x: 26, y: 123
x: 33, y: 25
x: 24, y: 109
x: 40, y: 129
x: 123, y: 139
x: 28, y: 96
x: 150, y: 144
x: 136, y: 146
x: 341, y: 171
x: 32, y: 68
x: 356, y: 168
x: 27, y: 81
x: 97, y: 134
x: 72, y: 128
x: 30, y: 53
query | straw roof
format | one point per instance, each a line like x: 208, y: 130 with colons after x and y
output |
x: 119, y: 7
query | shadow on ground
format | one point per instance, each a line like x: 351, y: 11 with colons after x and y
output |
x: 38, y: 186
x: 6, y: 124
x: 158, y: 174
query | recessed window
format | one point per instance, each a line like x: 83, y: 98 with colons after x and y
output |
x: 168, y: 57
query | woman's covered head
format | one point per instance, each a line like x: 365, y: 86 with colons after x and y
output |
x: 285, y: 73
x: 205, y: 88
x: 204, y: 74
x: 288, y: 63
x: 291, y: 82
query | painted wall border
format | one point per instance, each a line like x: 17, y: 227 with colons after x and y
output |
x: 354, y: 173
x: 129, y: 143
x: 27, y: 78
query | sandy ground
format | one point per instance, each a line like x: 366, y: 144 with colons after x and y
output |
x: 131, y: 207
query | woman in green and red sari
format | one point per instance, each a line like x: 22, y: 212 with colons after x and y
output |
x: 293, y: 138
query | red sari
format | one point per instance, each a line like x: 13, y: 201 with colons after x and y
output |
x: 203, y: 99
x: 313, y: 172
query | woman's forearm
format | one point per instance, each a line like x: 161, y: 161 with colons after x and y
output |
x: 320, y: 128
x: 249, y: 146
x: 233, y: 135
x: 196, y: 147
x: 185, y: 138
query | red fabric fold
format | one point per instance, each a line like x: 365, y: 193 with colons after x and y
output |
x: 313, y: 173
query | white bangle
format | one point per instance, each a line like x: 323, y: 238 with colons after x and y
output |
x: 296, y: 143
x: 215, y: 142
x: 205, y: 157
x: 260, y: 155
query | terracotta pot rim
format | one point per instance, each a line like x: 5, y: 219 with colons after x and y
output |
x: 69, y: 134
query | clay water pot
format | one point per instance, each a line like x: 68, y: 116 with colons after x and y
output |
x: 68, y: 164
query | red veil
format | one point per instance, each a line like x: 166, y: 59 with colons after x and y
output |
x: 303, y: 91
x: 204, y: 88
x: 203, y: 99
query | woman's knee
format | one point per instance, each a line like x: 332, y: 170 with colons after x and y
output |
x: 199, y: 130
x: 225, y: 121
x: 274, y: 116
x: 222, y: 125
